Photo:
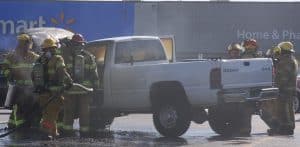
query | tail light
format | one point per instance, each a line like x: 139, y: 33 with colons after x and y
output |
x: 215, y: 78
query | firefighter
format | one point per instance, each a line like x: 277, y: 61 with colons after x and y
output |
x: 250, y: 49
x: 18, y: 67
x: 83, y: 69
x: 246, y: 109
x: 234, y: 51
x: 269, y: 108
x: 285, y: 80
x: 55, y: 80
x: 241, y: 109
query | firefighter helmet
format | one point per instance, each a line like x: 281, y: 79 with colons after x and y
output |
x: 234, y: 46
x: 286, y: 46
x: 78, y: 38
x: 276, y: 50
x: 250, y: 42
x: 24, y: 38
x: 49, y: 42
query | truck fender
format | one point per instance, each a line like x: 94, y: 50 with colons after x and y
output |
x: 165, y: 91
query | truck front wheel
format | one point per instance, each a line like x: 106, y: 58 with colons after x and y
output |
x: 171, y: 120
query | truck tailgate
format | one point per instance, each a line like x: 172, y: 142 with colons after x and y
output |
x: 243, y: 73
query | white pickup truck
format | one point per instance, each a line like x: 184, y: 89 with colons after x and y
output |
x: 136, y: 77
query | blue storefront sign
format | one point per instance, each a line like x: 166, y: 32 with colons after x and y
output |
x: 94, y: 20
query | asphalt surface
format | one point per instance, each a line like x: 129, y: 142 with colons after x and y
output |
x: 138, y: 130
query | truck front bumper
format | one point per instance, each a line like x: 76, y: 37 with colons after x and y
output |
x: 244, y: 95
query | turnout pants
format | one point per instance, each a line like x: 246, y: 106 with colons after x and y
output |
x: 76, y: 106
x: 246, y: 115
x: 269, y: 113
x: 26, y: 106
x: 50, y: 112
x: 286, y: 112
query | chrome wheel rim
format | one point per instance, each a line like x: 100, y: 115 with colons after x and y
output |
x: 168, y: 117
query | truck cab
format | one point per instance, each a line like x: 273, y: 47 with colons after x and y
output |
x: 137, y: 76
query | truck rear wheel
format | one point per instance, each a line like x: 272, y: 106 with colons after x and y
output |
x: 172, y: 120
x: 226, y: 120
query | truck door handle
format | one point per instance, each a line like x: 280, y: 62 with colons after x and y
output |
x: 246, y: 63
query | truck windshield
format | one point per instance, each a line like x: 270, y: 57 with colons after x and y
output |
x: 139, y: 51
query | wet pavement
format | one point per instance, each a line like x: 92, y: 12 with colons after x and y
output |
x: 138, y: 130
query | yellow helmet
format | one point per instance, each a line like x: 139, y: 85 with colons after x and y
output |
x: 286, y: 46
x: 276, y: 50
x: 234, y: 46
x: 24, y: 38
x: 49, y: 42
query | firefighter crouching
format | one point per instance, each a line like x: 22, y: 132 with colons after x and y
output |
x: 50, y: 79
x: 18, y: 67
x: 82, y: 67
x: 285, y: 80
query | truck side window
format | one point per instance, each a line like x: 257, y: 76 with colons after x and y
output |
x: 122, y: 55
x: 140, y: 50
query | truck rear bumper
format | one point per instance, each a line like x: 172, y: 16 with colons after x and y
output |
x: 238, y: 95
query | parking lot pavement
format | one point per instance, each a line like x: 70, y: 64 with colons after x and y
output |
x: 138, y: 130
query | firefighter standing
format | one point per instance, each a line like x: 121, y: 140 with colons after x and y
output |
x: 234, y: 52
x: 250, y: 51
x: 18, y: 67
x: 269, y: 108
x: 285, y: 80
x: 55, y: 80
x: 83, y: 69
